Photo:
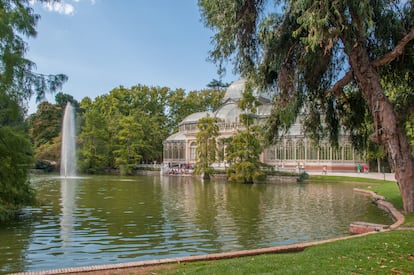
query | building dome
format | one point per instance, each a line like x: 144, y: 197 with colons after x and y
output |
x: 195, y: 117
x: 236, y: 89
x: 177, y: 137
x: 229, y: 113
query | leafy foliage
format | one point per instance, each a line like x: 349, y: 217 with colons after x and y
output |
x: 45, y: 128
x: 208, y: 131
x: 18, y: 83
x: 243, y: 154
x: 15, y: 159
x: 309, y: 51
x: 298, y: 48
x: 45, y: 124
x: 17, y: 78
x: 127, y: 126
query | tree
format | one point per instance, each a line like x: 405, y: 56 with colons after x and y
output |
x: 17, y: 78
x: 62, y: 99
x: 217, y: 85
x: 45, y: 127
x: 206, y: 148
x: 113, y: 126
x: 18, y: 83
x: 243, y: 155
x: 310, y: 51
x: 45, y: 124
x: 15, y: 158
x: 245, y: 147
x: 129, y: 144
x: 93, y: 139
x: 182, y: 104
x: 45, y: 132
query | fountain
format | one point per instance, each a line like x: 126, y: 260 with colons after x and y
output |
x: 68, y: 152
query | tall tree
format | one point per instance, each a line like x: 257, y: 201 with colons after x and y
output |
x: 15, y: 158
x: 243, y: 155
x: 303, y: 46
x: 44, y: 129
x: 217, y: 85
x: 17, y: 78
x: 62, y: 99
x: 208, y: 131
x: 245, y: 147
x: 93, y: 139
x: 45, y: 124
x: 18, y: 83
x: 129, y: 143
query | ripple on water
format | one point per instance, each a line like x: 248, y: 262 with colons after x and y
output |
x: 101, y: 220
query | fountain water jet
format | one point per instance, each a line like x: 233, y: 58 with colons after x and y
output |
x: 68, y: 150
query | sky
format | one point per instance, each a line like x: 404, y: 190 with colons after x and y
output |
x: 102, y: 44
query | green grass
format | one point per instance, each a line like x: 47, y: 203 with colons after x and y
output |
x: 390, y: 191
x: 382, y: 253
x: 347, y: 179
x: 409, y: 220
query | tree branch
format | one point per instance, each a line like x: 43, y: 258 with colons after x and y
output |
x: 340, y: 84
x: 396, y: 52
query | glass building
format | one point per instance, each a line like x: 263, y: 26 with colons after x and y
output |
x: 294, y: 151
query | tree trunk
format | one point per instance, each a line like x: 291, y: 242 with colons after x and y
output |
x: 388, y: 132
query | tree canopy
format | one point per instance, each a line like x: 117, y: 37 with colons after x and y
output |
x: 128, y: 126
x: 18, y: 83
x: 311, y: 52
x: 206, y: 140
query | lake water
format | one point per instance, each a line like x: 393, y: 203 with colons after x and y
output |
x: 107, y: 219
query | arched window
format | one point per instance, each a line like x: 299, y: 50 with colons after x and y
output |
x: 290, y: 150
x: 165, y: 151
x: 193, y: 151
x: 181, y: 152
x: 312, y: 151
x: 337, y: 153
x: 280, y: 151
x: 270, y: 153
x: 324, y: 152
x: 300, y: 150
x: 348, y: 152
x: 175, y: 151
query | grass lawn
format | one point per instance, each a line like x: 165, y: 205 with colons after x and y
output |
x: 381, y: 253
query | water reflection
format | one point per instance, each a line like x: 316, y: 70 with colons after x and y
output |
x: 68, y: 204
x: 102, y: 220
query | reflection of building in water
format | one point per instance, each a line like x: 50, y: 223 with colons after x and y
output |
x: 203, y: 211
x: 293, y: 151
x: 68, y: 194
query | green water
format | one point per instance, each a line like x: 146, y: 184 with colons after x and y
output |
x: 104, y: 220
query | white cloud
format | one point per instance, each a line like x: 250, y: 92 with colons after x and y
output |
x: 60, y: 7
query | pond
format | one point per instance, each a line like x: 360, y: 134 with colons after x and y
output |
x: 108, y: 219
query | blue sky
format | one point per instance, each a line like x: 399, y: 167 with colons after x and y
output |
x: 102, y: 44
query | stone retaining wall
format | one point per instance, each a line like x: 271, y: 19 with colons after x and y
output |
x: 383, y: 204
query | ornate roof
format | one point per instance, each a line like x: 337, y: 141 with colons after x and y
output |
x: 236, y: 89
x: 176, y: 137
x: 195, y: 117
x: 228, y: 112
